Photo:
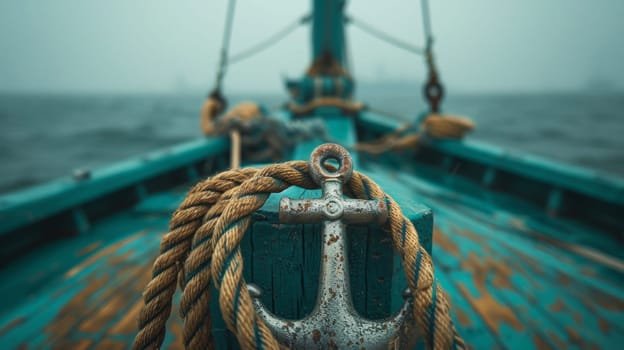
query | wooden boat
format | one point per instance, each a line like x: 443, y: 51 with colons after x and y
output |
x: 528, y: 250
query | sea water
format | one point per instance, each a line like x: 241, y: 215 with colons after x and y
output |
x: 43, y: 137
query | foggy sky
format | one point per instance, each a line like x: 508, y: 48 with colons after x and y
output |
x: 158, y: 46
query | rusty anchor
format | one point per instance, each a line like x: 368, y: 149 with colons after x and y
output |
x: 333, y: 323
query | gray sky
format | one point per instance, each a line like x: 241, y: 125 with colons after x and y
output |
x: 153, y: 45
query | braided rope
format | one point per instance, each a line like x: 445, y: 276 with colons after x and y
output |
x: 174, y: 248
x: 205, y: 233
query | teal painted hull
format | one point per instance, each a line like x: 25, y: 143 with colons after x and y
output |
x: 529, y: 251
x: 521, y: 270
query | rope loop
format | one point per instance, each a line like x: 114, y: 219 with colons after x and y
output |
x: 202, y: 247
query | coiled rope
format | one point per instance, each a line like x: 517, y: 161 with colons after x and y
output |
x: 433, y: 126
x: 202, y: 246
x: 255, y: 136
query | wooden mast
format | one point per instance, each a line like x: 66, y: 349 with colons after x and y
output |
x: 328, y: 36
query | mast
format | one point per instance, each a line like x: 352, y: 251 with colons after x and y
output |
x: 327, y: 76
x: 328, y: 35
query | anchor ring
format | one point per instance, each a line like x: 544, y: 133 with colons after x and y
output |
x: 326, y: 152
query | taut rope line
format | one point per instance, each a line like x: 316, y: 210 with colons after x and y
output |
x: 225, y: 44
x: 274, y: 38
x: 204, y: 238
x: 381, y: 35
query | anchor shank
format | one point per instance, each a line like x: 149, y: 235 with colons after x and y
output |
x: 334, y: 289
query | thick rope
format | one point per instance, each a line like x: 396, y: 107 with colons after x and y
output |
x: 205, y: 233
x: 174, y: 248
x: 259, y: 137
x: 434, y: 126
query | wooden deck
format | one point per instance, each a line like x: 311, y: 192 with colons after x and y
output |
x: 514, y: 281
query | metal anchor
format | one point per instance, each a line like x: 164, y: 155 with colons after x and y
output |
x: 333, y: 323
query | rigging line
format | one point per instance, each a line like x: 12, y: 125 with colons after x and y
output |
x: 270, y: 41
x: 227, y: 33
x: 427, y: 23
x: 385, y: 37
x: 346, y: 49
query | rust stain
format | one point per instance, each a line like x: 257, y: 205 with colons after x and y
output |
x: 9, y: 326
x: 604, y: 325
x: 72, y: 311
x: 493, y: 312
x: 576, y: 339
x: 558, y: 341
x: 441, y: 240
x: 104, y: 314
x: 316, y: 336
x: 502, y: 273
x: 87, y: 304
x: 332, y: 239
x: 462, y: 317
x: 128, y: 323
x: 109, y: 344
x: 82, y: 344
x: 102, y: 253
x: 470, y: 235
x: 557, y: 306
x: 523, y: 269
x: 607, y: 301
x: 563, y: 279
x: 88, y: 249
x: 118, y: 259
x: 573, y: 335
x: 541, y: 343
x: 578, y: 318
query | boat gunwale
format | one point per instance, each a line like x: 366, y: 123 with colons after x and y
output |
x: 28, y: 206
x: 31, y: 205
x: 552, y: 172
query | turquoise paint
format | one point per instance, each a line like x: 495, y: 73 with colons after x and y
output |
x: 328, y: 29
x: 311, y: 87
x: 284, y: 260
x: 493, y: 210
x: 567, y: 176
x: 454, y: 210
x: 39, y: 202
x: 591, y: 198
